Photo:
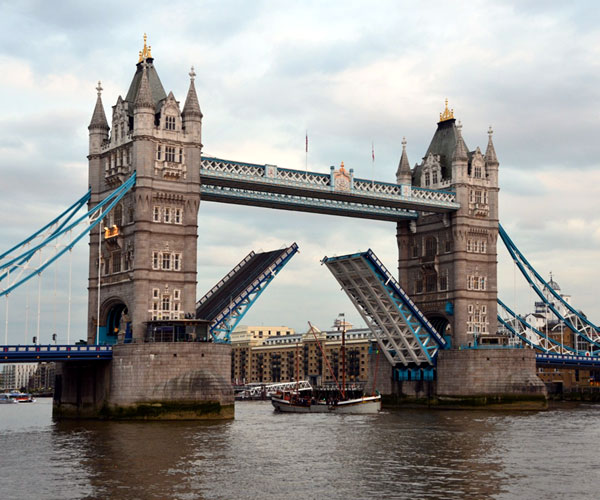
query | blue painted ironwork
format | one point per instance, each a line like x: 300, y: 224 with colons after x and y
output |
x: 225, y: 321
x: 565, y: 360
x: 38, y: 353
x: 584, y: 329
x: 550, y: 344
x: 90, y: 220
x: 404, y: 334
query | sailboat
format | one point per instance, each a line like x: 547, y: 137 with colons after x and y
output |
x: 345, y: 399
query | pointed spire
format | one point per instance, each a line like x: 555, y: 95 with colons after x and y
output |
x: 460, y: 151
x: 403, y: 174
x: 99, y: 118
x: 490, y: 152
x: 191, y: 106
x: 144, y: 95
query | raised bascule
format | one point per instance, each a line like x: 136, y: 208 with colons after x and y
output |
x: 154, y: 351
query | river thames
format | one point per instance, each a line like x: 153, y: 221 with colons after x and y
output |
x: 261, y: 454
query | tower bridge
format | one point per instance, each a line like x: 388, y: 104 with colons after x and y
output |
x: 147, y: 179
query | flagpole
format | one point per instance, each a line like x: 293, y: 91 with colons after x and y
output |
x: 373, y: 166
x: 306, y: 160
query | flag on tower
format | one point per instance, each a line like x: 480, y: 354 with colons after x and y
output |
x: 307, y: 141
x: 373, y: 150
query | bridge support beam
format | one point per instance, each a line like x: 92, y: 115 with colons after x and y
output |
x: 150, y: 381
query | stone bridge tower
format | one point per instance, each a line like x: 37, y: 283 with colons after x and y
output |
x: 447, y: 263
x: 148, y: 242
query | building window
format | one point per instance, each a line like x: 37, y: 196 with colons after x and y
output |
x: 176, y: 261
x: 430, y: 282
x: 478, y: 171
x: 167, y: 215
x: 156, y: 213
x: 166, y: 303
x: 159, y: 152
x: 176, y: 294
x: 118, y: 215
x: 482, y: 246
x: 116, y: 262
x: 444, y: 280
x: 478, y: 197
x: 177, y: 216
x: 427, y: 179
x: 419, y: 283
x: 155, y: 260
x: 155, y: 293
x: 435, y: 176
x: 170, y: 153
x: 469, y: 246
x: 180, y: 155
x: 166, y: 261
x: 170, y: 123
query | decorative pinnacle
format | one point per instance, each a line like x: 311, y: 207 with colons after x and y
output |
x: 99, y: 89
x: 146, y: 52
x: 459, y: 127
x: 192, y: 74
x: 490, y: 131
x: 448, y: 114
x: 404, y: 143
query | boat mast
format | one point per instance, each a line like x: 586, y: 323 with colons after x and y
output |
x: 343, y: 315
x: 297, y: 367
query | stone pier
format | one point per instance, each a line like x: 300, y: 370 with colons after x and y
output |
x: 149, y: 381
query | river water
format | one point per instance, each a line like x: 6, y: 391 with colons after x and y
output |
x: 425, y: 454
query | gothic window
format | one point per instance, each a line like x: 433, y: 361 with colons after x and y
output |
x: 471, y: 196
x: 170, y: 122
x: 166, y: 302
x: 155, y: 293
x: 118, y: 215
x: 177, y: 216
x: 478, y: 197
x: 430, y: 247
x: 444, y: 280
x: 419, y: 283
x: 435, y: 176
x: 477, y: 170
x: 155, y: 260
x: 482, y: 283
x: 430, y: 282
x: 170, y: 153
x: 469, y: 246
x: 180, y: 155
x: 156, y: 213
x: 159, y: 152
x: 176, y: 294
x: 176, y: 261
x: 167, y: 215
x: 116, y: 262
x: 427, y: 182
x: 415, y: 251
x: 482, y: 246
x: 448, y: 246
x: 166, y: 261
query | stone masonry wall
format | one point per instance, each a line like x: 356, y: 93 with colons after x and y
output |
x: 159, y: 372
x: 488, y: 372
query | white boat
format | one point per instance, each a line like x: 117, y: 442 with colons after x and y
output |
x: 16, y: 397
x: 5, y: 399
x: 291, y: 402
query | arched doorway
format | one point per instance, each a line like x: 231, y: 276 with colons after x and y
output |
x: 117, y: 325
x: 440, y: 323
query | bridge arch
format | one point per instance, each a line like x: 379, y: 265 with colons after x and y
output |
x: 440, y: 322
x: 115, y: 323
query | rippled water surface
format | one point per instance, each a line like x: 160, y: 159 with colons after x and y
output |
x: 261, y: 454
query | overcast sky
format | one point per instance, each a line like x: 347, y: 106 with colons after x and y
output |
x: 349, y: 72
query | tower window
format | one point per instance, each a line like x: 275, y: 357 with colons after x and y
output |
x: 177, y: 216
x: 166, y: 261
x: 159, y: 152
x: 170, y: 122
x: 170, y: 153
x: 167, y: 215
x: 427, y: 182
x: 180, y: 155
x: 116, y: 262
x: 156, y: 214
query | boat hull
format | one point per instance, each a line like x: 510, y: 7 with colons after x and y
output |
x: 360, y: 406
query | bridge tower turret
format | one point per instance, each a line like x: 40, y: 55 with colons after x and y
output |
x: 447, y: 262
x: 147, y: 257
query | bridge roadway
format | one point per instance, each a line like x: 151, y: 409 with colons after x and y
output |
x: 38, y: 353
x: 47, y: 353
x: 336, y: 193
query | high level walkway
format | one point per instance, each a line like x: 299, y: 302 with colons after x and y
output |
x: 227, y: 302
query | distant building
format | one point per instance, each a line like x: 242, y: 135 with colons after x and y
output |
x: 16, y: 376
x: 285, y: 356
x: 42, y: 379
